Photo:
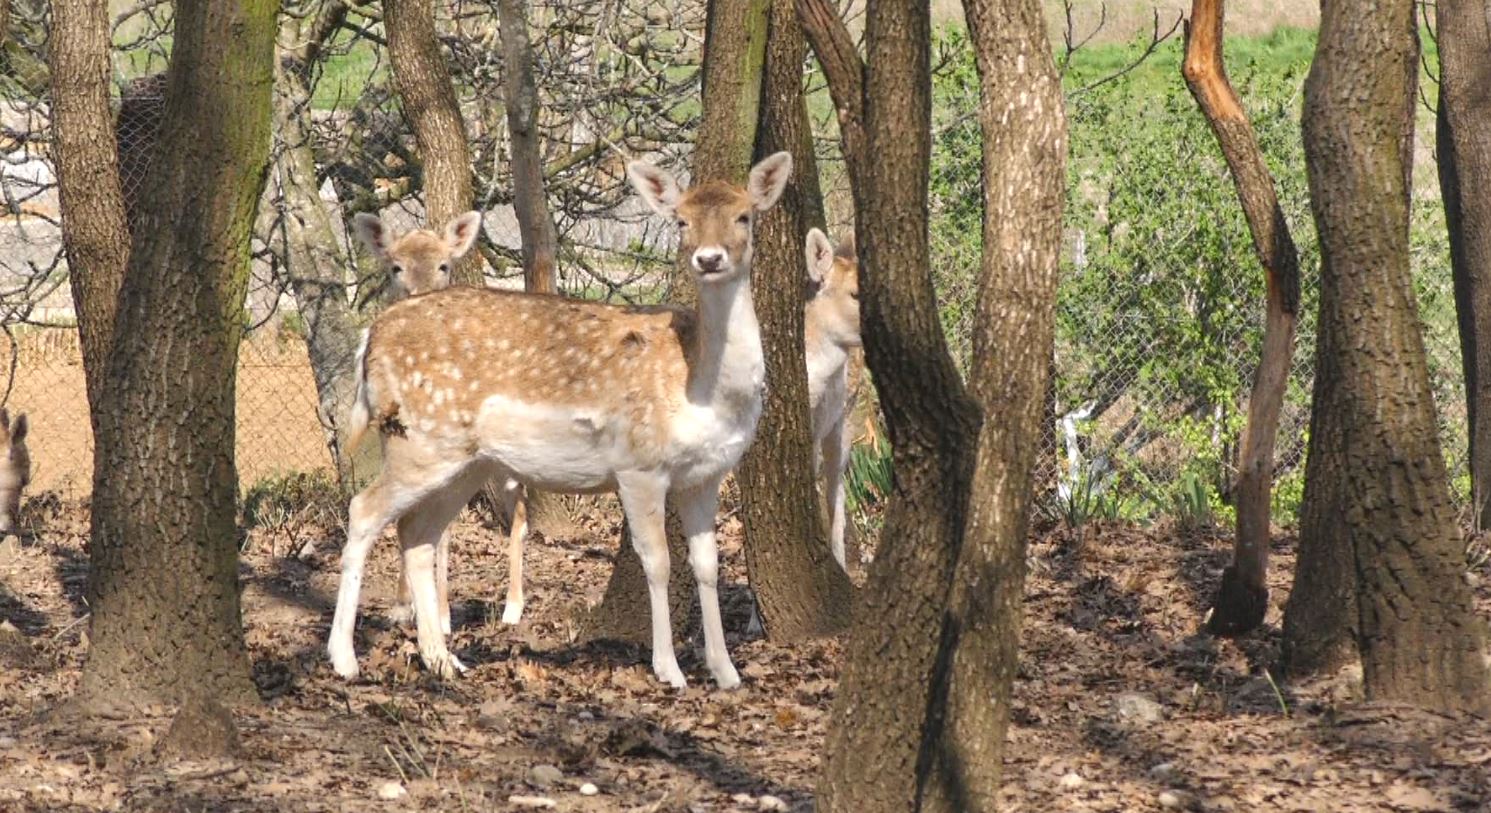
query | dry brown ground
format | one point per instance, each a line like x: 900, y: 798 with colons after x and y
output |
x: 1112, y: 611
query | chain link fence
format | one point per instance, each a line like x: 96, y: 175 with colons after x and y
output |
x: 1160, y: 307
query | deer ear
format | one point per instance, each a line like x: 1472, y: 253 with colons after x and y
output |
x: 373, y: 234
x: 655, y: 186
x: 847, y: 249
x: 461, y: 233
x: 768, y: 179
x: 18, y: 429
x: 820, y: 253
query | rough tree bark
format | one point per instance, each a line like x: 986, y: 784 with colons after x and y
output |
x: 880, y: 719
x: 1242, y: 598
x: 844, y: 70
x: 429, y: 99
x: 1463, y: 146
x: 163, y: 585
x: 799, y: 587
x: 95, y: 233
x: 1418, y: 636
x: 1024, y: 135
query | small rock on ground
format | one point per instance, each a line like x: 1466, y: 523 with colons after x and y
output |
x: 542, y: 776
x: 389, y: 791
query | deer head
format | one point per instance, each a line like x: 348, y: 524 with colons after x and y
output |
x: 833, y: 311
x: 715, y: 218
x: 420, y: 261
x: 15, y: 468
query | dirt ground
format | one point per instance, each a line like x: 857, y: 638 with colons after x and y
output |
x: 1119, y: 705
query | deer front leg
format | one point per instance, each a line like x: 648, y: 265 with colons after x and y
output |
x: 835, y: 456
x: 696, y: 510
x: 642, y: 498
x: 517, y: 509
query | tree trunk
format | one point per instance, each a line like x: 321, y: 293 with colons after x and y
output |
x: 880, y: 723
x: 95, y: 234
x: 1419, y: 638
x: 547, y: 513
x: 844, y: 70
x: 423, y: 80
x: 735, y: 47
x: 1463, y: 145
x: 1024, y: 156
x: 799, y: 586
x: 164, y: 584
x: 314, y: 267
x: 1242, y: 599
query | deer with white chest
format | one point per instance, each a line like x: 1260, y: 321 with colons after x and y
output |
x: 831, y: 322
x: 655, y: 403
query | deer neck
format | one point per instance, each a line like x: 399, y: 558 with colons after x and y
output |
x: 729, y: 365
x: 825, y: 358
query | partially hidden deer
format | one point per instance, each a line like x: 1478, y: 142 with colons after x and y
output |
x: 419, y: 262
x: 831, y: 322
x: 15, y: 469
x: 655, y: 403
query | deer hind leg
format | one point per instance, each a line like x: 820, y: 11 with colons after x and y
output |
x: 515, y: 503
x: 383, y: 501
x: 422, y: 536
x: 402, y: 611
x: 835, y: 448
x: 696, y: 510
x: 642, y: 498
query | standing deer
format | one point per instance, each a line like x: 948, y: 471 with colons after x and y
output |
x: 655, y: 403
x: 417, y: 263
x: 15, y: 469
x: 831, y: 319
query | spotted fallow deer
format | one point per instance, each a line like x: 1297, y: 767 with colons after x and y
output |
x: 419, y: 262
x: 831, y: 319
x: 655, y: 403
x: 15, y: 469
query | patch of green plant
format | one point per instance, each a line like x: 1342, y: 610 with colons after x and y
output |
x: 867, y: 482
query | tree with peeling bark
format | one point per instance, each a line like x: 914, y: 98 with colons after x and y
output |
x: 163, y: 587
x: 924, y: 700
x: 1463, y: 147
x: 1242, y: 598
x: 1378, y: 523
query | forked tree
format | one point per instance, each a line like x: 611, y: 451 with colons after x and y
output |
x: 163, y: 586
x: 919, y: 719
x: 1242, y: 598
x: 1381, y: 567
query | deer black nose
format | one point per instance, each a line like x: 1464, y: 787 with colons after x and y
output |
x: 709, y: 260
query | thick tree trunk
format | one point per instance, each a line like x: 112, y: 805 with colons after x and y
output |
x: 844, y: 70
x: 95, y: 233
x: 1463, y: 145
x: 800, y: 588
x: 315, y: 268
x: 1242, y: 599
x: 423, y: 79
x: 1419, y: 638
x: 164, y: 583
x: 881, y: 722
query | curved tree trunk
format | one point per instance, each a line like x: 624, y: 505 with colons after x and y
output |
x: 95, y: 232
x: 1463, y: 146
x: 164, y: 582
x: 429, y: 101
x: 1024, y: 160
x: 1419, y: 638
x: 880, y: 719
x: 799, y: 587
x: 1242, y: 599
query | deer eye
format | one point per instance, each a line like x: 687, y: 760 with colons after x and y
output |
x: 445, y: 268
x: 854, y: 295
x: 398, y: 269
x: 683, y: 224
x: 744, y: 220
